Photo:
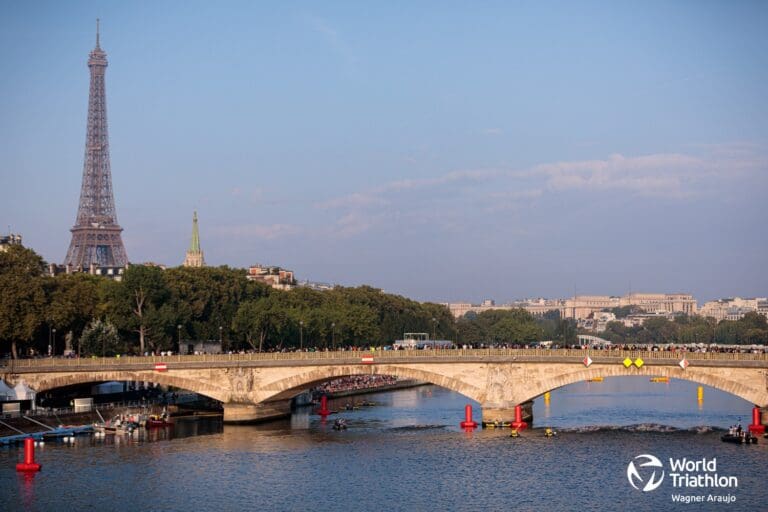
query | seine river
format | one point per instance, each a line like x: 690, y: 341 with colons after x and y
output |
x: 408, y: 454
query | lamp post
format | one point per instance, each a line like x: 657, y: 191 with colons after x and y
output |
x: 178, y: 337
x: 333, y: 335
x: 53, y: 345
x: 434, y: 328
x: 301, y: 335
x: 49, y: 340
x: 221, y: 338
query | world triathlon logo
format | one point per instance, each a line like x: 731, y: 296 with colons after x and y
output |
x: 648, y: 483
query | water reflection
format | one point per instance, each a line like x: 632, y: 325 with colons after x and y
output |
x: 402, y: 454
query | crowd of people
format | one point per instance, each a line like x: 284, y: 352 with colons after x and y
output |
x: 355, y: 382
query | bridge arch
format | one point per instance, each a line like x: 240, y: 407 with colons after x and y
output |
x: 47, y: 382
x: 756, y: 392
x: 291, y: 386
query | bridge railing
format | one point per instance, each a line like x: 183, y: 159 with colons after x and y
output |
x: 379, y: 356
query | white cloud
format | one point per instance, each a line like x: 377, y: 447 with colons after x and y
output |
x: 334, y: 38
x: 268, y: 232
x: 355, y: 200
x: 660, y: 175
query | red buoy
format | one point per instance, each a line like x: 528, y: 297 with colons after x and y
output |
x: 323, y: 407
x: 468, y: 423
x: 756, y: 427
x: 519, y: 424
x: 29, y: 457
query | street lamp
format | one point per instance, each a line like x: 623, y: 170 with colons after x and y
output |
x: 178, y: 331
x: 53, y: 353
x: 221, y: 338
x: 301, y: 335
x: 333, y: 335
x: 434, y: 328
x: 49, y: 340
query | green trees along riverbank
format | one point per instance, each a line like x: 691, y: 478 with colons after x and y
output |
x: 153, y: 309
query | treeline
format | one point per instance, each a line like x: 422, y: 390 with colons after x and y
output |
x: 752, y: 329
x: 514, y: 327
x: 151, y: 310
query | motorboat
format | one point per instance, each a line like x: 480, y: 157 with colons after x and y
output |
x: 739, y: 438
x: 548, y: 432
x: 157, y: 420
x: 340, y: 425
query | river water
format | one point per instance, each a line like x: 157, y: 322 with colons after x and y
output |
x: 407, y: 453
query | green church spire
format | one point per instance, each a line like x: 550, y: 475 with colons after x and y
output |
x: 194, y: 246
x: 194, y: 254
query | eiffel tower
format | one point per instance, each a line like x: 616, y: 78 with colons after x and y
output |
x: 96, y: 236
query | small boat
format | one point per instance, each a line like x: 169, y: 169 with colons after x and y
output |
x: 660, y: 379
x: 596, y: 379
x: 743, y: 438
x: 366, y: 403
x: 339, y: 425
x: 157, y: 420
x: 514, y: 433
x: 548, y: 432
x: 496, y: 424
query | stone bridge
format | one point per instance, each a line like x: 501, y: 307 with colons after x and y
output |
x: 259, y: 386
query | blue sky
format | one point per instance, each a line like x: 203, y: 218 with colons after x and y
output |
x: 446, y: 151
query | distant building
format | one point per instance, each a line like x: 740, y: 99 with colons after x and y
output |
x: 734, y: 308
x: 536, y: 307
x: 597, y: 322
x: 320, y: 287
x: 585, y: 306
x: 275, y: 277
x: 115, y: 273
x: 9, y: 240
x: 639, y: 319
x: 194, y: 256
x: 582, y: 306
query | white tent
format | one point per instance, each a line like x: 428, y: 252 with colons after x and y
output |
x: 6, y: 392
x: 24, y: 392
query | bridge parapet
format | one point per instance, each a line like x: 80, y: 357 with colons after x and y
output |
x: 331, y: 357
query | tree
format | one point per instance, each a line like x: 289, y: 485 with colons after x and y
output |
x: 73, y: 300
x: 260, y: 320
x: 136, y: 299
x: 100, y: 338
x: 22, y: 301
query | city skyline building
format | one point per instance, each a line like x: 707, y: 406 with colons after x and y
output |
x: 96, y: 235
x: 194, y: 257
x: 581, y: 307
